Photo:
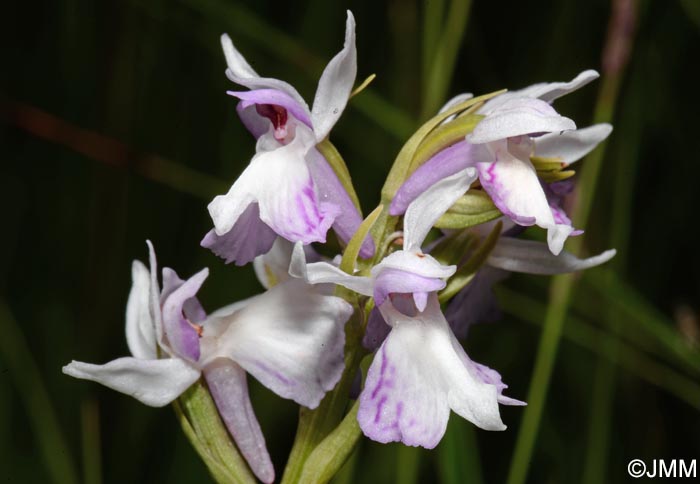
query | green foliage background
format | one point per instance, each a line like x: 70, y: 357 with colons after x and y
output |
x: 115, y: 127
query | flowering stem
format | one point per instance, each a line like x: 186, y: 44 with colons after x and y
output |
x: 615, y: 53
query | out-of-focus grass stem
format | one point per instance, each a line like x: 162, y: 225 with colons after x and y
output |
x: 92, y: 457
x: 615, y: 56
x: 15, y: 352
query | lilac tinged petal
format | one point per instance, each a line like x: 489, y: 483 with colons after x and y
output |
x: 153, y: 382
x: 251, y: 119
x: 571, y: 146
x: 287, y: 201
x: 390, y: 281
x: 476, y: 302
x: 376, y: 332
x: 291, y: 339
x: 515, y: 189
x: 324, y: 273
x: 192, y: 309
x: 272, y: 267
x: 491, y: 377
x: 533, y: 257
x: 445, y: 163
x: 551, y: 91
x: 229, y: 389
x: 331, y: 191
x: 429, y: 206
x: 516, y: 117
x: 140, y: 330
x: 248, y: 238
x: 414, y: 380
x: 335, y: 85
x: 240, y: 72
x: 179, y: 332
x: 416, y: 263
x: 275, y: 97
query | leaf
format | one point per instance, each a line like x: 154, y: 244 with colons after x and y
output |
x: 474, y: 208
x: 555, y: 176
x: 352, y: 251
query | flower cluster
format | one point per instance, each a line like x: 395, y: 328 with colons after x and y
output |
x: 469, y: 195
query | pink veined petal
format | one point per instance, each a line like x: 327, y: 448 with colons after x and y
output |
x: 181, y: 336
x: 447, y: 162
x: 153, y: 382
x: 335, y: 84
x: 571, y: 146
x: 514, y: 187
x: 331, y: 191
x: 416, y: 378
x: 229, y: 389
x: 248, y: 238
x: 533, y: 257
x: 140, y: 329
x: 290, y: 338
x: 192, y: 308
x: 519, y: 116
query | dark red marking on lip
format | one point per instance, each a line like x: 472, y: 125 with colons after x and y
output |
x: 276, y: 114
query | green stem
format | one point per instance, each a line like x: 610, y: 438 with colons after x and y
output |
x: 42, y: 417
x: 562, y: 286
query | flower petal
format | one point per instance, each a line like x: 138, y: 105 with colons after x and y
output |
x: 153, y: 382
x: 154, y: 296
x: 192, y: 309
x: 240, y: 72
x: 518, y: 116
x: 291, y: 339
x: 515, y: 189
x: 390, y: 281
x: 458, y: 99
x: 331, y: 191
x: 275, y: 97
x: 140, y: 330
x: 414, y: 380
x: 335, y: 84
x: 429, y: 206
x: 324, y: 273
x: 179, y: 332
x: 550, y: 91
x: 447, y: 162
x: 492, y: 377
x: 571, y: 146
x: 229, y: 389
x: 248, y: 238
x: 376, y: 331
x: 417, y: 263
x: 533, y: 257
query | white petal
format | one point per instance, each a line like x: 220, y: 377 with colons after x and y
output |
x: 571, y: 146
x: 226, y: 209
x: 458, y: 99
x: 154, y: 295
x: 335, y: 85
x: 291, y: 339
x: 240, y: 72
x: 515, y: 189
x: 518, y: 116
x: 416, y: 377
x: 548, y: 92
x: 153, y: 382
x: 533, y: 257
x: 325, y: 273
x: 140, y: 329
x: 417, y: 263
x: 428, y: 207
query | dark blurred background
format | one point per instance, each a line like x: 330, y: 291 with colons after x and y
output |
x: 115, y: 127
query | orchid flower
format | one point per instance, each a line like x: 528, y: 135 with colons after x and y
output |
x: 516, y: 126
x: 290, y: 338
x: 407, y: 271
x: 288, y: 189
x: 419, y: 373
